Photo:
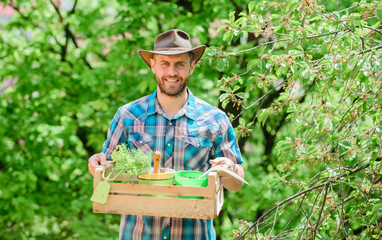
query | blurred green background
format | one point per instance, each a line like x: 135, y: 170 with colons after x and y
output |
x: 66, y: 66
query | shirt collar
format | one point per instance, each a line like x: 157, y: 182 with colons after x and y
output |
x: 154, y: 107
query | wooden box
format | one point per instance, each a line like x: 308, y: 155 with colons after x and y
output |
x: 125, y: 198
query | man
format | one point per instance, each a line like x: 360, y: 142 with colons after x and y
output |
x: 189, y: 133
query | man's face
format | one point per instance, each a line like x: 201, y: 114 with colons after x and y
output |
x: 172, y: 72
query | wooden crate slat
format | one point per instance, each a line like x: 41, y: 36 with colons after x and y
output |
x: 162, y: 189
x: 157, y: 206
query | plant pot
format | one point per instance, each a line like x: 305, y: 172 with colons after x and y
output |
x: 190, y: 178
x: 164, y: 177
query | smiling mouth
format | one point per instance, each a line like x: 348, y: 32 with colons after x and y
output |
x: 174, y: 80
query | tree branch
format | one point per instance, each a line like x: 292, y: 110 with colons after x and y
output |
x: 368, y: 50
x: 374, y: 29
x: 69, y: 35
x: 336, y: 179
x: 279, y: 204
x: 280, y: 40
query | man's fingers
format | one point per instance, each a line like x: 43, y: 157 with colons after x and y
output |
x: 218, y: 161
x: 223, y: 161
x: 95, y: 161
x: 213, y: 162
x: 98, y: 159
x: 102, y: 158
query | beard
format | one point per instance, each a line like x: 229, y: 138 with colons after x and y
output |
x: 172, y: 91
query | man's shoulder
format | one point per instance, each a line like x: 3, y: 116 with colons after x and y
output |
x: 203, y: 108
x: 136, y: 103
x: 135, y: 108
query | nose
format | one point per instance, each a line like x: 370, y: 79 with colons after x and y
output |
x: 172, y: 70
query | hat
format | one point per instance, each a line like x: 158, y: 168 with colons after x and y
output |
x: 172, y: 42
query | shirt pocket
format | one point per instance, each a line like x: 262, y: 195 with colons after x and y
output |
x: 197, y: 152
x: 142, y: 140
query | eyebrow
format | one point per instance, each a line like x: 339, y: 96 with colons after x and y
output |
x: 181, y: 61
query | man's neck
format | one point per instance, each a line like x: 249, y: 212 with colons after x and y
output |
x: 171, y: 105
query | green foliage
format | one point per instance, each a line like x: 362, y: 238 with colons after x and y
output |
x: 65, y: 70
x: 131, y: 161
x: 310, y: 72
x: 300, y: 80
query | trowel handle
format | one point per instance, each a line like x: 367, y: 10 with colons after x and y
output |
x: 157, y: 156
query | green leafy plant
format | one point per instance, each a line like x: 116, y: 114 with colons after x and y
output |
x: 131, y: 161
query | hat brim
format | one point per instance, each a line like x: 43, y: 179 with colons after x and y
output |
x: 198, y: 52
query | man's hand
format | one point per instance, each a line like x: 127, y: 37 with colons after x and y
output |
x: 95, y: 161
x: 228, y: 181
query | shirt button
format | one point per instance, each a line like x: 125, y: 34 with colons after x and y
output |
x: 170, y: 123
x: 141, y: 142
x: 164, y: 237
x: 169, y: 144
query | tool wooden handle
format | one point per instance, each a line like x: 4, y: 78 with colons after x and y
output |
x: 157, y: 156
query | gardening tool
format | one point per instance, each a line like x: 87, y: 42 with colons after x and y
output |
x: 157, y: 156
x: 217, y: 168
x: 158, y: 173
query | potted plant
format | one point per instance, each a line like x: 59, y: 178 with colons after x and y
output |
x: 133, y: 162
x: 137, y: 164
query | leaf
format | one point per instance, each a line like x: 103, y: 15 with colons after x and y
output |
x: 333, y: 138
x: 325, y: 62
x: 346, y: 144
x: 379, y: 14
x: 239, y: 21
x: 252, y: 63
x: 280, y: 71
x: 242, y: 122
x: 251, y: 5
x: 240, y: 95
x: 293, y: 153
x: 225, y: 103
x: 295, y: 23
x: 284, y: 145
x: 237, y: 87
x: 377, y: 209
x: 232, y: 16
x: 220, y: 66
x: 223, y: 96
x: 292, y: 6
x: 262, y: 116
x: 237, y: 35
x: 227, y: 37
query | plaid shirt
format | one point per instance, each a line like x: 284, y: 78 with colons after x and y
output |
x: 198, y: 133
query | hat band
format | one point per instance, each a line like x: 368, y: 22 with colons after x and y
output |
x: 173, y: 49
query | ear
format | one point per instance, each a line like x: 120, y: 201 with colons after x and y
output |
x: 152, y: 64
x: 192, y: 66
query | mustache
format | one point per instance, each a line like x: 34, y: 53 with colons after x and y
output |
x: 172, y: 76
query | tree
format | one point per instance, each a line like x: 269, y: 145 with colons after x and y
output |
x: 301, y: 81
x: 66, y: 66
x: 312, y: 87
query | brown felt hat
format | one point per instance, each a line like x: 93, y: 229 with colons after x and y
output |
x: 172, y: 42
